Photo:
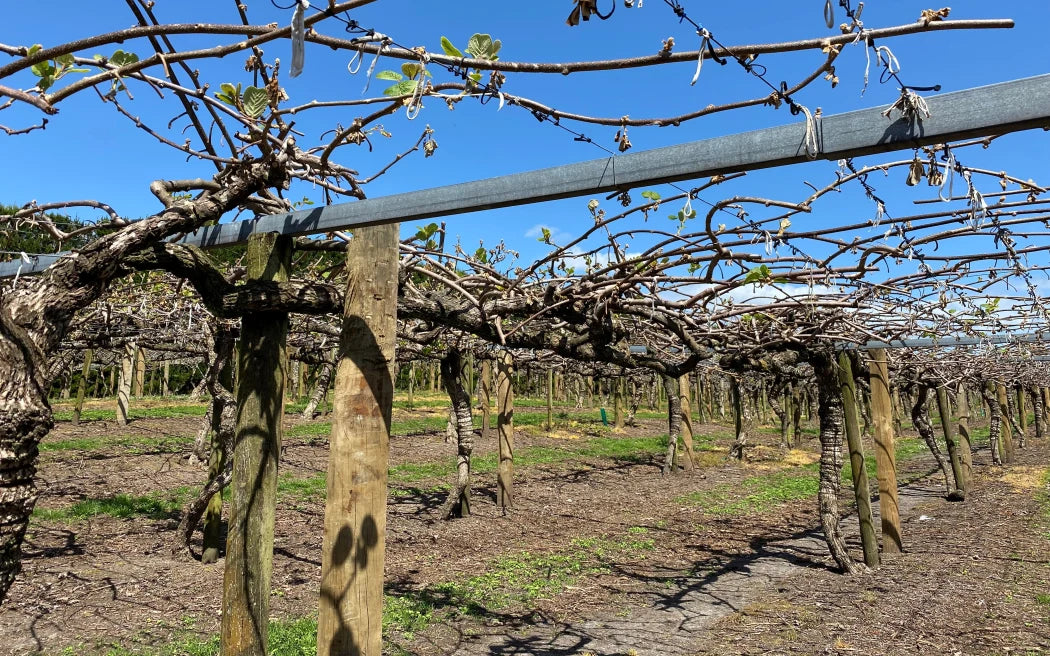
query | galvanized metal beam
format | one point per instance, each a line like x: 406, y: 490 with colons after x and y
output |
x: 983, y: 111
x: 944, y: 342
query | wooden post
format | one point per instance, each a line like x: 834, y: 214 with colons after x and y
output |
x: 965, y: 446
x: 485, y: 392
x: 962, y: 484
x: 885, y: 457
x: 1022, y: 416
x: 350, y: 618
x: 140, y: 373
x: 411, y: 383
x: 550, y: 400
x: 82, y: 386
x: 1008, y: 439
x: 687, y: 422
x: 261, y: 358
x: 127, y: 371
x: 505, y: 431
x: 848, y: 386
x: 618, y: 403
x: 165, y: 377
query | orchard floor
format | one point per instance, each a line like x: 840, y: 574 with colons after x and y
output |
x: 601, y: 555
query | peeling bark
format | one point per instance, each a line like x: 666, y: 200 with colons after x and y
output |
x: 920, y: 418
x: 829, y: 411
x: 458, y: 502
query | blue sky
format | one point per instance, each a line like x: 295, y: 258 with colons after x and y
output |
x: 88, y: 151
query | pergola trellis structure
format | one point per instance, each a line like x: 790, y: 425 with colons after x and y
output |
x: 368, y: 333
x: 984, y: 111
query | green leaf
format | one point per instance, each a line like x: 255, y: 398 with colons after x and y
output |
x: 478, y: 45
x: 121, y: 58
x: 256, y: 101
x: 546, y: 238
x: 758, y: 274
x: 42, y: 69
x: 402, y: 88
x: 389, y: 75
x: 230, y: 90
x: 651, y: 195
x: 35, y: 48
x: 410, y: 70
x: 450, y: 50
x: 65, y: 61
x: 481, y: 255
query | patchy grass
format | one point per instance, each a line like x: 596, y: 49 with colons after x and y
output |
x: 141, y: 412
x: 122, y: 506
x: 517, y: 580
x: 130, y: 443
x: 759, y: 492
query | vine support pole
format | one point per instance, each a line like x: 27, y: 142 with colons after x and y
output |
x: 885, y: 457
x: 127, y: 372
x: 869, y: 540
x: 350, y: 618
x: 82, y: 386
x: 261, y: 361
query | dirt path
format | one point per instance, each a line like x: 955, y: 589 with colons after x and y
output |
x: 689, y: 620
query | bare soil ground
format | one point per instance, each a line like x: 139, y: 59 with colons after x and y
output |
x: 660, y: 573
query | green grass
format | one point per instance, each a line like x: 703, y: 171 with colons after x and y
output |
x: 516, y: 580
x: 154, y: 412
x: 760, y: 492
x: 408, y: 473
x: 122, y: 506
x: 130, y: 443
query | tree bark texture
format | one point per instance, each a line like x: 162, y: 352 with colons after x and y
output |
x: 829, y: 411
x: 1008, y: 423
x: 944, y: 409
x: 674, y: 422
x: 321, y: 385
x: 350, y: 617
x: 505, y: 431
x: 995, y: 422
x: 743, y: 419
x: 261, y: 359
x: 127, y: 371
x: 452, y: 375
x: 920, y: 418
x: 1037, y: 411
x: 885, y: 456
x: 685, y: 412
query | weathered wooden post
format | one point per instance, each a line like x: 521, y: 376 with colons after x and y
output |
x: 885, y: 457
x: 687, y: 422
x: 140, y: 373
x: 1022, y: 416
x: 257, y: 443
x: 127, y: 371
x: 869, y: 541
x: 505, y: 431
x: 966, y: 445
x: 550, y: 400
x: 82, y: 386
x: 618, y: 402
x: 350, y: 618
x: 485, y: 392
x: 1004, y: 409
x: 411, y: 383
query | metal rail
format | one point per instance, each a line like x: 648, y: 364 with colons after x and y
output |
x: 990, y: 110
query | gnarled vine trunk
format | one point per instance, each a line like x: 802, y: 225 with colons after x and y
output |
x: 920, y: 418
x: 458, y: 502
x: 829, y: 411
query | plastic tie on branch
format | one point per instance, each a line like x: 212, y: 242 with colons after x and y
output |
x: 298, y: 37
